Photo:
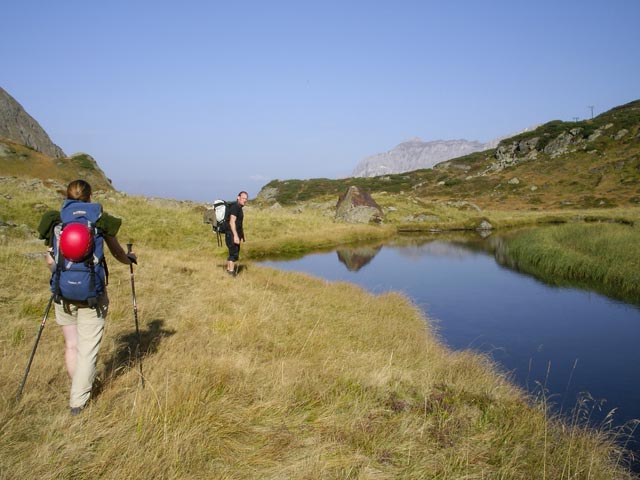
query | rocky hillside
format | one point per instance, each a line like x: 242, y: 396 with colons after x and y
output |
x: 413, y: 155
x: 20, y: 127
x: 592, y: 163
x: 27, y: 151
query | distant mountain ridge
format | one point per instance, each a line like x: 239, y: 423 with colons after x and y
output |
x: 416, y: 154
x: 20, y: 127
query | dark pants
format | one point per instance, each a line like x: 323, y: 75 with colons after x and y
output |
x: 234, y: 248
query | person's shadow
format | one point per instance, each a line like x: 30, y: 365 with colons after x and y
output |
x: 125, y: 355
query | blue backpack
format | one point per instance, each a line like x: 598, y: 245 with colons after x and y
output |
x: 81, y: 280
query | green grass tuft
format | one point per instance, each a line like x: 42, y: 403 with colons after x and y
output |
x: 601, y: 255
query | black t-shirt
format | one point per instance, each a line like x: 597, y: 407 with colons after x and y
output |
x: 236, y: 210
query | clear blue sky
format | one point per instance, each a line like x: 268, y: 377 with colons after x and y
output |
x: 199, y: 99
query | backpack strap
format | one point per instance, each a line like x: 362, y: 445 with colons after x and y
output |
x: 91, y: 301
x: 57, y: 294
x: 59, y: 265
x: 103, y: 261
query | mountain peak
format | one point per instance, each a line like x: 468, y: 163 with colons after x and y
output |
x: 415, y: 154
x: 20, y: 127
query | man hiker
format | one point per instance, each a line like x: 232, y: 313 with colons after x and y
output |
x: 75, y: 237
x: 235, y: 232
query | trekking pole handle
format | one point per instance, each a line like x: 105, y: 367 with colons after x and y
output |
x: 132, y: 259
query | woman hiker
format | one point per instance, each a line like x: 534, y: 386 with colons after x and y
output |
x: 78, y: 281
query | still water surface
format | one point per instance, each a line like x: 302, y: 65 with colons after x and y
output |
x: 566, y: 342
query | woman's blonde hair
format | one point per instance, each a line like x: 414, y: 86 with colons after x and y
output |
x: 79, y: 190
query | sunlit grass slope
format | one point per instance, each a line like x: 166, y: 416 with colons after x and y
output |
x: 21, y: 161
x: 267, y: 375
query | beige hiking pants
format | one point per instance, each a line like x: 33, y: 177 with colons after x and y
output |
x: 90, y: 328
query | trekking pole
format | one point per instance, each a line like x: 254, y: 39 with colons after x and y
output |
x: 135, y: 315
x: 35, y: 346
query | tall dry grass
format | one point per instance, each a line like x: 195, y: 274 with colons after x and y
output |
x: 267, y: 375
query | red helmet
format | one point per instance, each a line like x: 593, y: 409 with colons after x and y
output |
x: 76, y: 242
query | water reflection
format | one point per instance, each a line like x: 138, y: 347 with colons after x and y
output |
x: 356, y: 258
x: 552, y: 339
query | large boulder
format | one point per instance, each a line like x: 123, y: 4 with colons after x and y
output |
x: 357, y: 206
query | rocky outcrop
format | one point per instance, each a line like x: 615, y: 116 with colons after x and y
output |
x: 512, y: 153
x: 357, y: 206
x: 20, y: 127
x: 267, y: 195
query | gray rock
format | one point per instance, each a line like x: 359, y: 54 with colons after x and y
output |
x: 594, y: 135
x: 509, y: 155
x: 560, y: 145
x: 357, y: 206
x: 267, y: 194
x: 526, y: 146
x: 485, y: 225
x: 621, y: 134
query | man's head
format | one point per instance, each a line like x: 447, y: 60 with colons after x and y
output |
x: 242, y: 198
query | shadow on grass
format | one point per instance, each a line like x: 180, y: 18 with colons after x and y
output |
x: 125, y: 355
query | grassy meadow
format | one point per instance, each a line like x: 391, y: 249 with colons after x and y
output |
x: 268, y: 375
x: 605, y: 255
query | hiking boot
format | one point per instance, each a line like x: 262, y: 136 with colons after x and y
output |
x: 76, y: 411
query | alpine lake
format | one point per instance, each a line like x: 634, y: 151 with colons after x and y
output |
x: 577, y: 348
